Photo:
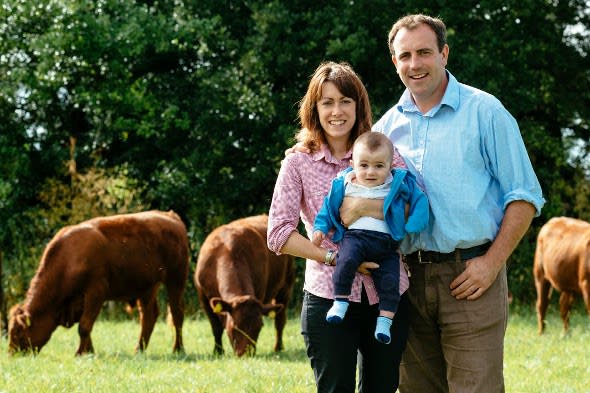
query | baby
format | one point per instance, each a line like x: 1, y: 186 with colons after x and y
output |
x: 372, y: 175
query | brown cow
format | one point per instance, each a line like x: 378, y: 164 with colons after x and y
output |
x: 238, y: 280
x: 562, y: 260
x: 122, y: 257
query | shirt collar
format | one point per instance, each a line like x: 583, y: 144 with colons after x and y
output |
x: 451, y: 98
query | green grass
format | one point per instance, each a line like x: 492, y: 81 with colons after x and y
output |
x: 552, y: 363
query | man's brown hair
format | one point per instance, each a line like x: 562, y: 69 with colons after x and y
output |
x: 411, y: 22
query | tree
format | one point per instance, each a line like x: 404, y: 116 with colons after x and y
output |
x: 196, y: 100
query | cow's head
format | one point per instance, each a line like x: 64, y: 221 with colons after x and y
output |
x: 243, y: 320
x: 24, y: 334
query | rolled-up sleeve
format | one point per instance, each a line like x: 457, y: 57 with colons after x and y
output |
x: 510, y: 162
x: 283, y: 216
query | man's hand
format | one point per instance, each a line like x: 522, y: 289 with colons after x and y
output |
x: 479, y: 274
x: 482, y: 271
x: 350, y: 210
x: 298, y: 147
x: 353, y: 208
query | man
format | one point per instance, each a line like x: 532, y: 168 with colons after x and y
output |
x: 466, y: 151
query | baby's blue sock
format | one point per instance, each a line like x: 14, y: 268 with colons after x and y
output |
x: 382, y: 330
x: 337, y: 312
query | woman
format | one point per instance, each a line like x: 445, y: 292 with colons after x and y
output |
x: 334, y: 111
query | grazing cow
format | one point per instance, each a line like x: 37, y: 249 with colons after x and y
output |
x: 239, y: 280
x: 562, y: 260
x: 123, y: 257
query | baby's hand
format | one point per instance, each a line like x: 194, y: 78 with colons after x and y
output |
x: 317, y: 238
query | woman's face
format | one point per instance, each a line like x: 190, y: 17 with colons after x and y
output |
x: 337, y: 113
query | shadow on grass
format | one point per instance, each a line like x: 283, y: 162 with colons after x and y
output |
x: 289, y: 355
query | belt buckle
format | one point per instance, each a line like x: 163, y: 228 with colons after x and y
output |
x: 420, y: 261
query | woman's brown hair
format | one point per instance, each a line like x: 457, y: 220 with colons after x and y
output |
x: 350, y: 85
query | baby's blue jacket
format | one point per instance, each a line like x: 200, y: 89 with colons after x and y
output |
x: 403, y: 190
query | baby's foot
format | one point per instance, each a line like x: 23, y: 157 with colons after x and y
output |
x: 337, y: 311
x: 382, y: 330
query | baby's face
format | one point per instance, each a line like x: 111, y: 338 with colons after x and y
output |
x: 371, y: 167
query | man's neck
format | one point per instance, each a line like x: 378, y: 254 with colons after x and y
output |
x: 434, y: 99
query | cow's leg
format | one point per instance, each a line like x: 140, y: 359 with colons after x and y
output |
x: 542, y: 286
x: 176, y: 302
x: 148, y: 314
x: 585, y: 287
x: 281, y: 318
x: 280, y: 321
x: 92, y: 306
x: 565, y: 304
x: 215, y: 321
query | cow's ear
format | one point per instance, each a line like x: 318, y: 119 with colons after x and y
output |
x: 270, y: 310
x: 219, y: 305
x: 21, y: 317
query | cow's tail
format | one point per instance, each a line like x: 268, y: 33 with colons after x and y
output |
x: 539, y: 264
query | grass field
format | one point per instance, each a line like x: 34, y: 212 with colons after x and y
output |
x: 552, y: 363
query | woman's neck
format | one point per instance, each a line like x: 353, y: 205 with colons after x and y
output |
x: 338, y: 148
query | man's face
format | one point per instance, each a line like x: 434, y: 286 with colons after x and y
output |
x: 420, y: 65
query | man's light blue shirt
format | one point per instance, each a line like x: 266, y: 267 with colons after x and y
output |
x: 468, y: 155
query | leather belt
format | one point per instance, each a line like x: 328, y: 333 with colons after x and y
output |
x: 460, y: 254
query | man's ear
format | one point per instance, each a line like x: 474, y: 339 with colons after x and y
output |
x: 445, y: 54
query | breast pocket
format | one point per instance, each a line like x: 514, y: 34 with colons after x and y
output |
x: 315, y: 198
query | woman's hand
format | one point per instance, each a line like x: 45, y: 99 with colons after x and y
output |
x: 366, y: 267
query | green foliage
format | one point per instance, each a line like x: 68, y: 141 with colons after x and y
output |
x: 95, y: 193
x: 520, y: 277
